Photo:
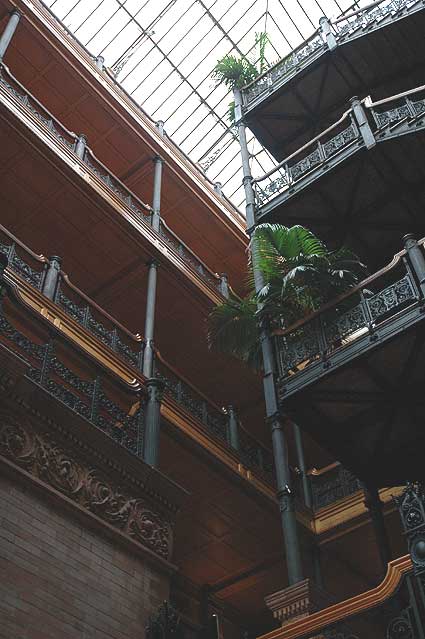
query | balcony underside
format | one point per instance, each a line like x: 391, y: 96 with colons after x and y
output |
x: 368, y: 410
x: 368, y: 201
x: 301, y: 103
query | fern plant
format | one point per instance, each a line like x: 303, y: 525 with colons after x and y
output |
x: 235, y: 72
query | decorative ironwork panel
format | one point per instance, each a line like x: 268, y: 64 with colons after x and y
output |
x: 338, y: 142
x: 411, y: 506
x: 34, y: 108
x: 393, y: 115
x: 126, y: 352
x: 333, y: 486
x: 299, y: 347
x: 391, y: 298
x: 339, y: 327
x: 364, y: 19
x: 292, y: 61
x: 85, y: 397
x: 25, y: 346
x: 71, y: 308
x: 305, y: 165
x: 265, y: 193
x: 114, y: 185
x: 98, y: 329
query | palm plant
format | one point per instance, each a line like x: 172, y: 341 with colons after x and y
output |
x: 299, y: 273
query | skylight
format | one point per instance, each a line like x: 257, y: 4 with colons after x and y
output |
x: 163, y: 51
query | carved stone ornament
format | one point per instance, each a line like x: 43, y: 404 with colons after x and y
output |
x: 40, y: 455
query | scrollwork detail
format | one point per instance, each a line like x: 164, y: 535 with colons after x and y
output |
x: 40, y: 455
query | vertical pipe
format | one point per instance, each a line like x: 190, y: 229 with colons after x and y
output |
x: 308, y: 496
x: 273, y: 417
x: 9, y: 31
x: 150, y: 318
x: 51, y: 279
x: 233, y: 428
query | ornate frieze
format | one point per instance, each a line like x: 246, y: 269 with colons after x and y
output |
x: 60, y: 467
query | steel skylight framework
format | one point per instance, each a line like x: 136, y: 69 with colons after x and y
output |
x: 163, y: 52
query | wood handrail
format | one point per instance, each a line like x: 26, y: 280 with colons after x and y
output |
x: 312, y: 625
x: 317, y: 472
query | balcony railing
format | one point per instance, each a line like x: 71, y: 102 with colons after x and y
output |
x: 349, y: 324
x: 339, y: 141
x: 34, y: 270
x: 141, y: 211
x: 331, y: 484
x: 345, y: 27
x: 75, y: 380
x: 394, y: 609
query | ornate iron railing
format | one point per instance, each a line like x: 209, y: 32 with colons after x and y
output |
x: 115, y: 410
x: 343, y: 28
x: 337, y: 138
x: 215, y: 419
x: 139, y: 209
x: 340, y: 140
x: 34, y: 270
x: 359, y: 313
x: 332, y: 484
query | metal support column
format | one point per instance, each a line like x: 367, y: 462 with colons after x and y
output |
x: 80, y: 146
x: 99, y: 62
x: 150, y: 318
x: 416, y: 258
x: 9, y: 31
x: 273, y: 417
x: 224, y: 285
x: 233, y: 428
x: 308, y: 496
x: 362, y: 121
x: 51, y: 278
x: 374, y: 505
x: 155, y: 388
x: 156, y: 199
x: 327, y: 34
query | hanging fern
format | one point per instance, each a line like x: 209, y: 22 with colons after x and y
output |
x: 235, y: 72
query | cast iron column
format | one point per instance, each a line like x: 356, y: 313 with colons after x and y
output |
x: 154, y: 385
x: 80, y: 146
x: 374, y: 505
x: 308, y: 497
x: 156, y: 200
x: 233, y: 428
x: 150, y: 318
x: 51, y: 279
x: 273, y: 417
x: 9, y: 31
x: 155, y: 388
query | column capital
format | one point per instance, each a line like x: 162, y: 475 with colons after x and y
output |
x: 153, y: 261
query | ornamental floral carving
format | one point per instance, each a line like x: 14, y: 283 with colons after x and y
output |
x: 41, y: 456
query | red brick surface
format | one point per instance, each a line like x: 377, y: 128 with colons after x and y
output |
x: 60, y: 580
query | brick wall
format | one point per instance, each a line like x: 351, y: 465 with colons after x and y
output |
x: 60, y: 580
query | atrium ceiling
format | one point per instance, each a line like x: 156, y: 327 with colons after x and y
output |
x: 162, y: 52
